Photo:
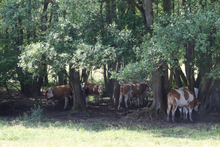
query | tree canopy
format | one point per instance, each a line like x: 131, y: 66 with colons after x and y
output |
x: 129, y: 40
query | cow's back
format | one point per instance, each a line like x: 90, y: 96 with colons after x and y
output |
x: 125, y: 89
x: 62, y: 90
x: 93, y: 88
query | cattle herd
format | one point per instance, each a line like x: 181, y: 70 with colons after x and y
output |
x: 181, y: 98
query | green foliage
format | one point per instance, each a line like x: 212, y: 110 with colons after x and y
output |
x: 170, y: 33
x: 19, y: 21
x: 36, y: 114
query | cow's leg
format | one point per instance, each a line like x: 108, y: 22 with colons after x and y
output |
x: 98, y: 99
x: 126, y: 101
x: 53, y: 103
x: 185, y: 113
x: 137, y: 101
x: 86, y: 101
x: 120, y: 100
x: 143, y: 98
x: 130, y: 101
x: 190, y: 114
x: 94, y: 98
x: 173, y: 113
x: 48, y: 101
x: 66, y: 102
x: 181, y: 113
x: 168, y: 112
x: 146, y: 97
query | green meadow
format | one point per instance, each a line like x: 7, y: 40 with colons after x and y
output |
x: 102, y: 134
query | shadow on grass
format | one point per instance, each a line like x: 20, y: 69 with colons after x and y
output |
x: 196, y: 131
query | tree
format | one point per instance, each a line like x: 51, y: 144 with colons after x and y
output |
x: 19, y: 30
x: 174, y: 38
x: 180, y: 31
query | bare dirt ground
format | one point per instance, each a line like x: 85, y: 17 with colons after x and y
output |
x: 13, y: 108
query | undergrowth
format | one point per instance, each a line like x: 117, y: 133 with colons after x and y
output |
x: 34, y: 115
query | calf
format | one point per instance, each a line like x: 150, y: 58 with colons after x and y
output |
x: 132, y: 90
x: 57, y: 93
x: 95, y: 90
x: 182, y: 98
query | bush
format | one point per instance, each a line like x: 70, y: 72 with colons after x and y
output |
x: 36, y: 114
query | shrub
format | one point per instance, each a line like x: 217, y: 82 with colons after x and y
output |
x: 36, y: 114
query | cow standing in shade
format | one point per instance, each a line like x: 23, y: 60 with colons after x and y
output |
x: 185, y: 110
x: 133, y: 89
x: 95, y: 90
x: 182, y: 98
x: 57, y: 93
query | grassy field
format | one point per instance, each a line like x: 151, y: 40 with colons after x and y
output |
x: 100, y: 134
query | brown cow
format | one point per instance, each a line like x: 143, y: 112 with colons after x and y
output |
x: 57, y: 93
x: 182, y: 98
x: 133, y: 89
x: 95, y: 90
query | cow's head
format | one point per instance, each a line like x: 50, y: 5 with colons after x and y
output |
x: 49, y: 93
x: 83, y: 86
x: 100, y: 89
x: 196, y: 105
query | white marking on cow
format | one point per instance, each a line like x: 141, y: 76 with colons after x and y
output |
x: 66, y: 102
x: 100, y: 89
x: 94, y: 87
x: 184, y: 112
x: 138, y: 85
x: 183, y: 102
x: 48, y: 101
x: 50, y: 93
x: 126, y: 101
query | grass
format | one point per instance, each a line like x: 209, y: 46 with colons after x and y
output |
x: 50, y: 133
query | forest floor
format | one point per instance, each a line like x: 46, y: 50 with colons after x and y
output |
x: 11, y: 108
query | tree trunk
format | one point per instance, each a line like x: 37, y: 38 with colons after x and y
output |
x: 84, y: 78
x: 167, y: 6
x: 149, y: 13
x: 106, y: 80
x: 6, y: 86
x: 177, y: 78
x: 116, y: 89
x: 85, y: 75
x: 170, y: 79
x: 158, y: 100
x: 111, y: 81
x: 165, y: 81
x: 60, y: 80
x: 203, y: 95
x: 189, y: 66
x: 78, y: 101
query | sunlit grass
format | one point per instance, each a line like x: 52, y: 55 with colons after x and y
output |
x: 101, y: 133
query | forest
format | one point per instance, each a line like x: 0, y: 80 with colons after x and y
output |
x: 126, y: 40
